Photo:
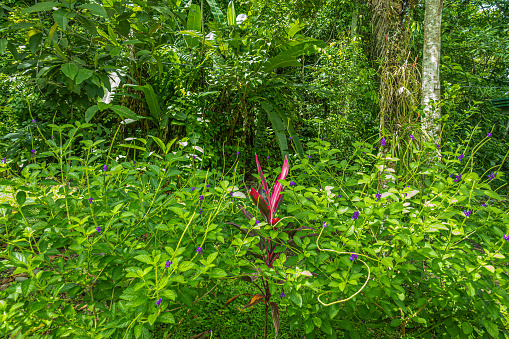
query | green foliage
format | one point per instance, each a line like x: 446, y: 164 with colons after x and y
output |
x: 130, y: 233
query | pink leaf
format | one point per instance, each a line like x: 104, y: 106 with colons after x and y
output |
x: 262, y: 178
x: 260, y: 203
x: 278, y: 188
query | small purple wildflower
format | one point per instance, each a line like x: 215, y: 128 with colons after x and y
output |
x: 353, y: 257
x: 506, y: 237
x: 99, y: 229
x: 467, y: 213
x: 412, y: 137
x: 489, y: 135
x: 355, y: 215
x: 438, y: 146
x: 339, y: 196
x: 257, y: 222
x: 483, y: 205
x: 378, y: 196
x: 33, y: 121
x: 193, y: 188
x: 492, y: 175
x: 290, y: 137
x: 238, y: 153
x: 159, y: 302
x: 198, y: 250
x: 383, y: 142
x: 52, y: 137
x: 292, y: 184
x: 200, y: 211
x: 168, y: 264
x: 4, y: 160
x: 282, y: 295
x: 90, y: 200
x: 246, y: 188
x: 458, y: 178
x: 231, y: 193
x: 267, y: 156
x: 201, y: 197
x: 461, y: 157
x: 325, y: 225
x: 452, y: 175
x: 194, y: 157
x: 134, y: 161
x: 208, y: 185
x: 375, y: 147
x: 33, y: 151
x: 105, y: 168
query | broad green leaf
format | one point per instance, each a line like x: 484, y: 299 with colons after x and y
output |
x: 3, y: 46
x: 90, y: 113
x: 216, y: 12
x: 41, y: 6
x: 294, y: 28
x: 493, y: 194
x: 280, y: 61
x: 95, y: 9
x: 467, y: 328
x: 21, y: 197
x: 83, y: 74
x: 217, y: 273
x: 491, y: 327
x: 35, y: 42
x: 124, y: 112
x: 144, y: 258
x: 296, y: 298
x: 70, y: 70
x: 152, y: 100
x: 62, y: 17
x: 167, y: 318
x: 278, y: 127
x: 230, y: 14
x: 160, y: 143
x: 186, y: 265
x: 194, y: 18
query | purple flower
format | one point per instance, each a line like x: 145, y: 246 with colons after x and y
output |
x: 194, y: 157
x: 290, y: 137
x: 52, y: 137
x: 90, y: 200
x: 246, y: 188
x: 200, y: 168
x: 458, y: 178
x: 467, y: 213
x: 33, y: 121
x: 99, y: 229
x: 159, y: 302
x: 355, y: 215
x: 208, y: 185
x: 506, y: 237
x: 257, y: 222
x: 483, y: 205
x: 168, y: 264
x: 383, y: 142
x: 238, y: 153
x: 200, y: 211
x: 33, y: 151
x: 461, y: 157
x: 489, y: 135
x: 134, y: 161
x: 353, y: 257
x: 339, y: 196
x: 292, y: 184
x: 201, y: 197
x: 198, y: 250
x: 4, y: 160
x: 438, y: 146
x: 452, y: 175
x: 105, y: 168
x: 267, y: 156
x: 378, y: 196
x: 325, y: 225
x: 193, y: 188
x: 231, y: 193
x: 412, y: 137
x: 492, y: 175
x: 375, y: 147
x: 282, y: 295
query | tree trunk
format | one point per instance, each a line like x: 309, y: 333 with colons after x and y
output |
x: 430, y: 68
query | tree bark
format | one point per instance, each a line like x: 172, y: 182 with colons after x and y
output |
x: 430, y: 68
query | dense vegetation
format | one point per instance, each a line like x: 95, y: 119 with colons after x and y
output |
x: 214, y: 169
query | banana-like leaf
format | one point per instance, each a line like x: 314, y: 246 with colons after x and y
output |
x: 277, y: 125
x: 230, y: 14
x: 151, y: 98
x: 275, y: 317
x: 193, y: 24
x: 280, y: 61
x: 294, y: 28
x: 305, y: 47
x: 254, y: 300
x: 216, y: 12
x: 288, y: 123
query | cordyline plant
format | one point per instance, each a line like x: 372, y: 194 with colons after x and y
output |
x: 268, y: 203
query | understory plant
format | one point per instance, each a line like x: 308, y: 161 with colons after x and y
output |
x: 356, y: 250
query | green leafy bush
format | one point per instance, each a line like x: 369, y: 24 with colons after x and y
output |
x: 132, y: 241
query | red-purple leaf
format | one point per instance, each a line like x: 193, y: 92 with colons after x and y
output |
x: 260, y: 203
x: 248, y: 215
x: 275, y: 317
x: 278, y: 188
x: 262, y: 178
